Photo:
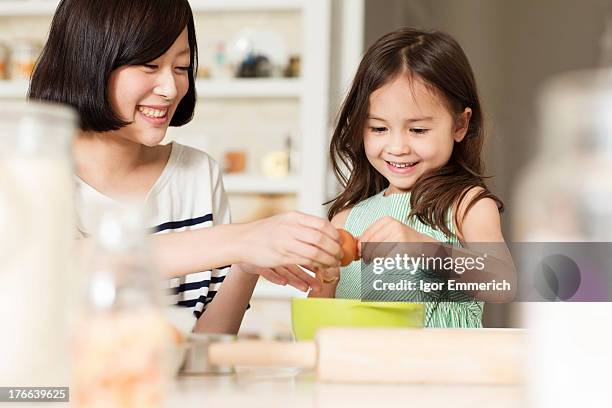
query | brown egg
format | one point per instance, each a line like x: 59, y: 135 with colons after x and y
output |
x: 349, y: 247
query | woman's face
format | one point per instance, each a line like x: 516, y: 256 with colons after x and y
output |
x: 409, y: 131
x: 147, y: 95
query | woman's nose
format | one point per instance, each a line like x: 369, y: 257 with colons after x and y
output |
x: 166, y: 85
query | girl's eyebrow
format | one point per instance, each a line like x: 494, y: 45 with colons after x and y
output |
x: 417, y: 119
x: 376, y: 118
x: 420, y: 119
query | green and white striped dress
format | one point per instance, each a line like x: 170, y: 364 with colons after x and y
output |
x: 462, y: 311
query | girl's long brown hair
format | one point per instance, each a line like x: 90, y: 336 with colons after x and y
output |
x: 438, y: 60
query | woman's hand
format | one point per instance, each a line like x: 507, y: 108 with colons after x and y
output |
x: 291, y: 238
x: 328, y: 280
x: 291, y: 275
x: 383, y: 234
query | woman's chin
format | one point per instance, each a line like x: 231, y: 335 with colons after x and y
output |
x: 152, y: 143
x: 152, y: 138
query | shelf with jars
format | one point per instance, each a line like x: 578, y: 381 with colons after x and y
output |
x: 206, y: 88
x: 263, y: 78
x: 251, y: 52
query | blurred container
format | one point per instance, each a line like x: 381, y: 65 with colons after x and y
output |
x: 310, y: 314
x: 221, y: 68
x: 275, y: 164
x: 293, y: 68
x: 234, y: 161
x: 4, y: 61
x: 566, y: 195
x: 24, y: 54
x: 38, y: 283
x: 123, y: 337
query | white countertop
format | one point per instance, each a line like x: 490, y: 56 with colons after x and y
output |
x: 273, y: 387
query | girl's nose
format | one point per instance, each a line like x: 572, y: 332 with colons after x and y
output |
x: 398, y: 144
x: 166, y: 86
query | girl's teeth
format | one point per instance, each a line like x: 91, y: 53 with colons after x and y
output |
x: 401, y: 165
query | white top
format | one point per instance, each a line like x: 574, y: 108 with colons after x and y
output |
x: 188, y: 195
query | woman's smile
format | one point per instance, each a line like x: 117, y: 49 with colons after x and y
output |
x: 156, y: 115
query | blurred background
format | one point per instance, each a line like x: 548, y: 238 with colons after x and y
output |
x: 273, y: 74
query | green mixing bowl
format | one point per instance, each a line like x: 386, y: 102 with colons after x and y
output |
x: 310, y: 314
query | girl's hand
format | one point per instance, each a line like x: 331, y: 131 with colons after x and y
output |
x: 291, y: 275
x: 387, y: 230
x: 290, y: 239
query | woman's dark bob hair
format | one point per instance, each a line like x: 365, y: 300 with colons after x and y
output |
x: 91, y: 38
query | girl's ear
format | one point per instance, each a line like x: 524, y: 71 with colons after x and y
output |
x: 462, y: 124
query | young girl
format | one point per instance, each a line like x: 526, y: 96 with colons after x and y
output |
x: 411, y: 133
x: 128, y: 67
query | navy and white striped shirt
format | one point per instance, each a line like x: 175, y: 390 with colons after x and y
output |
x: 188, y: 195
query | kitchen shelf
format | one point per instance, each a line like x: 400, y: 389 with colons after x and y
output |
x: 251, y: 184
x: 250, y: 88
x: 16, y: 8
x: 207, y: 88
x: 309, y: 93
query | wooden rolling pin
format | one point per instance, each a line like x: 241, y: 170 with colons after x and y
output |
x: 425, y: 356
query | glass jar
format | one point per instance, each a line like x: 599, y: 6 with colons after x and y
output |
x: 122, y: 338
x: 566, y: 195
x: 38, y: 281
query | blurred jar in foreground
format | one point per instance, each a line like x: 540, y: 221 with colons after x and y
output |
x: 566, y: 195
x: 38, y: 282
x: 121, y: 340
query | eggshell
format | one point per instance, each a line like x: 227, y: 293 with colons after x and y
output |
x: 349, y: 247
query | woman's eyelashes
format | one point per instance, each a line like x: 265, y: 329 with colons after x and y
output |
x: 155, y: 67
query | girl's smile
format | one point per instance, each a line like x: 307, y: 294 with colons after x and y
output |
x: 402, y: 167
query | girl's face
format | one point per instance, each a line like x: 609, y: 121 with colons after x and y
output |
x: 148, y: 95
x: 409, y: 131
